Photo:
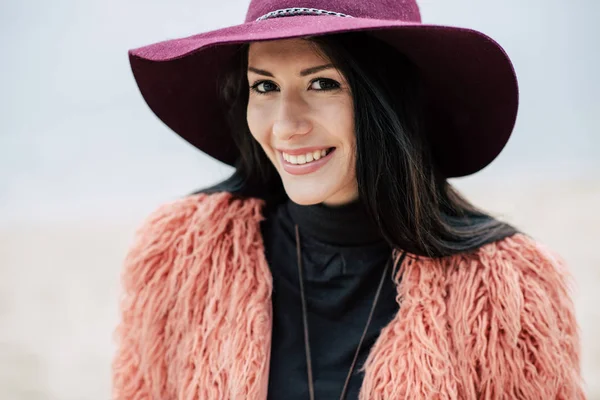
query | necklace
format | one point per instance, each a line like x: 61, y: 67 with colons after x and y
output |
x: 311, y: 388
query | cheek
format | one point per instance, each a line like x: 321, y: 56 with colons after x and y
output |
x: 339, y: 117
x: 347, y: 116
x: 258, y: 121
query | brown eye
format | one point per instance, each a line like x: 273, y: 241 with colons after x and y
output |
x: 324, y: 84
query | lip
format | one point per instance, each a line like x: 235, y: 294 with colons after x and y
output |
x: 302, y: 169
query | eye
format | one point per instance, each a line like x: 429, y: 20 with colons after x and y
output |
x: 263, y: 87
x: 324, y: 84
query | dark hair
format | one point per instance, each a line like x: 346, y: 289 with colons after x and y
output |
x: 415, y: 207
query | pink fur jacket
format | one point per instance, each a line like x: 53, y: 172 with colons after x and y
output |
x: 497, y: 323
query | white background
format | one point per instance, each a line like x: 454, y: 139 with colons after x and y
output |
x: 82, y: 159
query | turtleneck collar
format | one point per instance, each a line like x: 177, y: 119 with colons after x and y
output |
x: 343, y: 225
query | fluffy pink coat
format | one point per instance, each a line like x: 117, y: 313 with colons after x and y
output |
x: 497, y: 323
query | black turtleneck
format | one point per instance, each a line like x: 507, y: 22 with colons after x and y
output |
x: 343, y: 256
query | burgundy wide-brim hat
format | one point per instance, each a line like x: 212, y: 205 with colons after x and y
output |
x: 470, y: 82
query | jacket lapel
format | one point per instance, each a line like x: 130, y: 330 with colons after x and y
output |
x: 412, y: 358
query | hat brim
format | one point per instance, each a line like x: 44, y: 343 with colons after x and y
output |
x: 469, y: 79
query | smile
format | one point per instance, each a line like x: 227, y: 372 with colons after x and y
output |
x: 307, y: 157
x: 300, y: 164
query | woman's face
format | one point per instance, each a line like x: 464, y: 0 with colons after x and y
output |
x: 300, y: 111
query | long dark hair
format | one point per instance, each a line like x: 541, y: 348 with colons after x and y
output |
x: 415, y: 207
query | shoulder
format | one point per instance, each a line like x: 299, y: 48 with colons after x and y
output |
x: 180, y: 227
x: 517, y: 274
x: 521, y: 258
x: 202, y: 208
x: 513, y: 298
x: 514, y: 263
x: 167, y: 279
x: 207, y: 212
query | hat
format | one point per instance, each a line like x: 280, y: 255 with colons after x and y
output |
x: 468, y: 78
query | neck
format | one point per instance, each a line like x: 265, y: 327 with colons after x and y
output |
x: 345, y: 224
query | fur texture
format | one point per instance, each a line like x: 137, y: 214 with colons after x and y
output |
x: 196, y: 316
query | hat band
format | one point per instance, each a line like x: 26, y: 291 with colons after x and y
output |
x: 289, y: 12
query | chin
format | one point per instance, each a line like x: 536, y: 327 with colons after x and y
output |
x: 309, y: 196
x: 305, y: 197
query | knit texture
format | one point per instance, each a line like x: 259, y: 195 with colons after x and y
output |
x: 196, y: 318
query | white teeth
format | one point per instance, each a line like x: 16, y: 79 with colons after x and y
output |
x: 304, y: 158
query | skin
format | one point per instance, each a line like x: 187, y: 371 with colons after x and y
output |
x: 295, y: 110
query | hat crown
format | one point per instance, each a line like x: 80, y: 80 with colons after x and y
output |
x: 404, y: 10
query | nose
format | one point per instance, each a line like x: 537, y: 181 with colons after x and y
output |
x: 291, y: 117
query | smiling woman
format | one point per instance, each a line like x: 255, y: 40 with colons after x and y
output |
x: 337, y: 261
x: 361, y: 104
x: 304, y: 107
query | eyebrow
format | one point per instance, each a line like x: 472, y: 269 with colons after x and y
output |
x: 304, y: 72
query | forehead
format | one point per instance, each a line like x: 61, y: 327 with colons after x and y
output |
x: 285, y: 50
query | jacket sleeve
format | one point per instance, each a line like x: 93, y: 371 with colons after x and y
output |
x: 523, y: 339
x: 549, y: 337
x: 140, y: 365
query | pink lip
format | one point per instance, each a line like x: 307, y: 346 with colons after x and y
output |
x: 301, y: 169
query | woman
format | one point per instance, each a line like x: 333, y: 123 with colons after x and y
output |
x: 337, y: 261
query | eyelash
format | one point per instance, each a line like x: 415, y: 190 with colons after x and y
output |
x: 336, y: 84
